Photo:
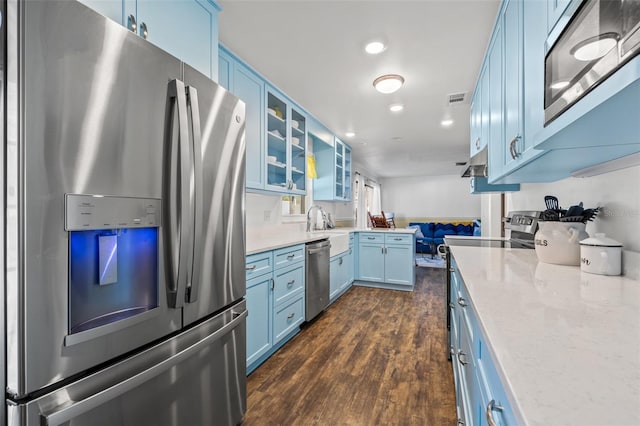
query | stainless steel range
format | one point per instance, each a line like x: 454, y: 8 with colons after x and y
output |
x: 522, y: 227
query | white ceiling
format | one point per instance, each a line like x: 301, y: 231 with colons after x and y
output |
x: 314, y: 52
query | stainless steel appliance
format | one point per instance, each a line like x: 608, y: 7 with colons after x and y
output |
x: 522, y: 225
x: 601, y: 36
x: 124, y: 222
x: 317, y: 278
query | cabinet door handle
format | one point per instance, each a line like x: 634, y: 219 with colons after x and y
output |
x: 478, y: 143
x: 273, y: 284
x: 340, y: 261
x: 513, y: 148
x: 490, y: 407
x: 462, y: 302
x: 290, y: 316
x: 290, y: 283
x: 144, y: 31
x: 386, y: 250
x: 452, y: 305
x: 291, y: 256
x: 132, y: 25
x: 251, y: 267
x: 462, y: 358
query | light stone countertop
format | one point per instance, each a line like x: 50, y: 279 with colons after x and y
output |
x: 257, y: 243
x: 566, y: 343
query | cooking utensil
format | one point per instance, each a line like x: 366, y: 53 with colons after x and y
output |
x: 575, y: 210
x: 551, y: 202
x: 590, y: 214
x: 550, y: 215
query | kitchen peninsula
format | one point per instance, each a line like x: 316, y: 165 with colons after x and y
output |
x: 563, y: 342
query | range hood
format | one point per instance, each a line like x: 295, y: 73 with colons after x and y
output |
x: 477, y: 164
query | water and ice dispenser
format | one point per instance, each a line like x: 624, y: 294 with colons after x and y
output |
x: 113, y: 263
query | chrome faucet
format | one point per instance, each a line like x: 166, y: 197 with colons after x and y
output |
x: 324, y: 222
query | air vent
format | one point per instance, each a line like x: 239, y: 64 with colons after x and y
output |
x: 457, y: 98
x: 461, y: 163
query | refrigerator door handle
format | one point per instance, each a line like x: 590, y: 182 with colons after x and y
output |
x: 192, y: 98
x: 179, y: 227
x: 78, y: 408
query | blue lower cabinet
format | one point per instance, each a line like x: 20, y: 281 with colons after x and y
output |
x: 480, y: 392
x: 398, y: 261
x: 259, y: 318
x: 387, y: 258
x: 371, y: 265
x: 275, y: 301
x: 287, y: 317
x: 340, y: 274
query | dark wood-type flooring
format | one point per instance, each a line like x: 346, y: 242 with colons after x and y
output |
x: 374, y: 357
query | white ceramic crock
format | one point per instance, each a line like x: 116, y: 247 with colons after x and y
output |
x: 601, y: 255
x: 558, y: 242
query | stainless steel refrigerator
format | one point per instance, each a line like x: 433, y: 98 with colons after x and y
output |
x: 124, y: 228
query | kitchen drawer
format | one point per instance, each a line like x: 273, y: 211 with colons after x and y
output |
x: 258, y: 264
x: 372, y: 237
x: 467, y: 316
x: 288, y: 317
x: 288, y: 255
x: 288, y: 282
x: 392, y: 238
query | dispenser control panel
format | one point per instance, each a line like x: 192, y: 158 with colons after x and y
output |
x: 83, y: 212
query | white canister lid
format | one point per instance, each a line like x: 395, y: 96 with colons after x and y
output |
x: 600, y: 240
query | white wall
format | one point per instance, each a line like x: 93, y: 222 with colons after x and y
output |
x: 429, y: 196
x: 617, y: 192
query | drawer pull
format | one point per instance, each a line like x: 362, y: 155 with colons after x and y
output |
x: 462, y: 302
x: 490, y: 407
x: 462, y: 358
x: 290, y: 316
x: 371, y: 238
x: 291, y: 256
x: 398, y: 239
x: 290, y: 283
x: 251, y: 267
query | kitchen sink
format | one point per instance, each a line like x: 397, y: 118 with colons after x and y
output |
x: 339, y: 241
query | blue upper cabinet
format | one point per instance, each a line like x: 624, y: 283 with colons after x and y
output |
x: 333, y: 165
x: 286, y: 142
x: 276, y: 130
x: 248, y: 86
x: 163, y: 23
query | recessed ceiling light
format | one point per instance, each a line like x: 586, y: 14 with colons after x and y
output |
x: 560, y: 84
x: 396, y: 107
x: 375, y: 47
x: 349, y: 134
x: 594, y: 47
x: 447, y: 122
x: 388, y: 83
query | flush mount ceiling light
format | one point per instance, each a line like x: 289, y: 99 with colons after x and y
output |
x: 388, y: 83
x: 396, y: 107
x: 447, y: 122
x: 375, y: 47
x: 560, y: 84
x: 594, y: 47
x: 349, y: 134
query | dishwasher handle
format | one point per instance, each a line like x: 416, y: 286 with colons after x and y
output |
x: 319, y: 250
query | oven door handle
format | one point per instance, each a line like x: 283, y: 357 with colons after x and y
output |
x: 78, y: 408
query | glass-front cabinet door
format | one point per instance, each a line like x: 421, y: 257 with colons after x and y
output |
x: 277, y: 150
x: 339, y: 173
x: 347, y: 173
x: 286, y: 146
x: 298, y: 152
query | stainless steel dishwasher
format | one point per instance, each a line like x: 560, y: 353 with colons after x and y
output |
x: 317, y: 278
